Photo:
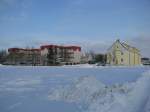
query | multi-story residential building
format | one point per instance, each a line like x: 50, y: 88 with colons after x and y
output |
x: 54, y: 54
x: 19, y: 56
x: 46, y: 55
x: 123, y: 54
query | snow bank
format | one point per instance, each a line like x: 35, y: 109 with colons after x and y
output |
x: 147, y: 106
x: 81, y: 66
x: 95, y: 66
x: 94, y: 96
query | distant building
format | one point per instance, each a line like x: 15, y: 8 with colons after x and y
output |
x: 54, y: 54
x: 123, y: 54
x: 86, y: 58
x: 145, y: 61
x: 46, y: 55
x: 19, y: 56
x: 3, y: 56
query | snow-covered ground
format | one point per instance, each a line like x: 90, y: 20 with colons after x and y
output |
x: 80, y: 88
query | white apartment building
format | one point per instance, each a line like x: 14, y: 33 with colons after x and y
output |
x: 60, y: 54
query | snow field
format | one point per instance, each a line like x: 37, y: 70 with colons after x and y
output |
x: 82, y: 88
x: 94, y: 96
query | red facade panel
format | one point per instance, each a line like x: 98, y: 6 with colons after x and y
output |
x: 74, y: 48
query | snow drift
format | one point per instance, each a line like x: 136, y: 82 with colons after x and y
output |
x: 93, y: 96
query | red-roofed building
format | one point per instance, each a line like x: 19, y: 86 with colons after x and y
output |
x: 46, y: 55
x: 60, y: 54
x: 20, y: 56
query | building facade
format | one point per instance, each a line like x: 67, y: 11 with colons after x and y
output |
x: 46, y: 55
x: 54, y: 54
x: 123, y: 54
x: 19, y: 56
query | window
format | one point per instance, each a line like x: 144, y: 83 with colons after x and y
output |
x: 113, y: 59
x: 121, y: 60
x: 121, y: 53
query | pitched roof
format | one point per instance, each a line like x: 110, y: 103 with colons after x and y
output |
x: 124, y: 45
x: 128, y: 47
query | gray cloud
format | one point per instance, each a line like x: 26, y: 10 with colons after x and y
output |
x: 99, y: 46
x: 142, y: 43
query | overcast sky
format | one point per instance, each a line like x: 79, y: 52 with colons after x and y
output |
x: 93, y: 24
